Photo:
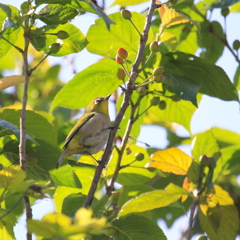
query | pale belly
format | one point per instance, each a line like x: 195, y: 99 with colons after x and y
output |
x: 92, y: 136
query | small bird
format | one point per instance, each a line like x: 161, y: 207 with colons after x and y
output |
x: 90, y: 133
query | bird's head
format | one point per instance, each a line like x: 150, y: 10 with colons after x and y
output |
x: 99, y: 104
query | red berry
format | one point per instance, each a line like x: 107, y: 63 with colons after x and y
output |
x: 126, y: 14
x: 158, y: 71
x: 122, y: 53
x: 119, y: 60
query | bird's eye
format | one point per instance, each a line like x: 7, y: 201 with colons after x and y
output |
x: 97, y: 101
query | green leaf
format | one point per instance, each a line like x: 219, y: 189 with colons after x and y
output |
x: 82, y: 6
x: 96, y: 80
x: 7, y: 128
x: 10, y: 33
x: 105, y: 42
x: 225, y: 137
x: 223, y: 3
x: 210, y: 43
x: 137, y: 227
x: 176, y: 111
x: 36, y: 125
x: 184, y: 88
x: 6, y: 225
x: 136, y: 127
x: 39, y: 2
x: 237, y: 79
x: 230, y: 156
x: 135, y: 173
x: 72, y: 203
x: 60, y: 195
x: 65, y: 176
x: 205, y: 144
x: 154, y: 199
x: 76, y: 41
x: 212, y: 79
x: 132, y: 191
x: 45, y: 154
x: 56, y: 14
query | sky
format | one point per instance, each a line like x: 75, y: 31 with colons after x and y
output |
x: 212, y: 112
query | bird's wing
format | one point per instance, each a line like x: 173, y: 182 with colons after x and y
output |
x: 81, y: 121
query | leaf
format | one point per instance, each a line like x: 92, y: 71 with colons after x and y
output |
x: 171, y: 17
x: 136, y: 173
x: 11, y: 34
x: 60, y: 194
x: 171, y: 160
x: 176, y: 111
x: 131, y: 191
x: 237, y: 78
x: 72, y: 203
x: 127, y: 3
x: 6, y: 225
x: 212, y: 46
x: 223, y: 4
x: 151, y: 200
x: 212, y: 79
x: 136, y: 227
x: 96, y: 80
x: 205, y: 144
x: 225, y: 137
x: 65, y: 176
x: 9, y: 81
x: 105, y: 42
x: 13, y: 179
x: 218, y: 216
x: 36, y: 125
x: 81, y: 5
x: 56, y: 14
x: 184, y: 88
x: 41, y: 40
x: 9, y: 129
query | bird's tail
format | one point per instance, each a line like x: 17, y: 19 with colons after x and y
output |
x: 64, y: 154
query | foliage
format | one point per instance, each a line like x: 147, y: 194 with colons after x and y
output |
x: 151, y: 183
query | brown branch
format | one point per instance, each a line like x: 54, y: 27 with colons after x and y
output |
x: 127, y: 97
x: 22, y: 144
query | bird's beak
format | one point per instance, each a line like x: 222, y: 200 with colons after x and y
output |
x: 107, y: 97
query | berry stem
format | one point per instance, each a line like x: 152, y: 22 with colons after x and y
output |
x: 130, y: 20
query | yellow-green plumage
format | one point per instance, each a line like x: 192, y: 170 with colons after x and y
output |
x: 90, y: 133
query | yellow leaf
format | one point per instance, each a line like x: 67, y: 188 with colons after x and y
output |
x: 186, y: 186
x: 7, y: 82
x: 218, y: 215
x: 171, y: 160
x: 171, y: 17
x: 12, y: 178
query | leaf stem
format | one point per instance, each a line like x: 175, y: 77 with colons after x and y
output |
x: 18, y: 48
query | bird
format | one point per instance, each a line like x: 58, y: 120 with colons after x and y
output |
x: 90, y: 133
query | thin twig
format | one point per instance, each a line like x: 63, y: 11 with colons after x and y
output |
x: 125, y: 104
x: 123, y: 145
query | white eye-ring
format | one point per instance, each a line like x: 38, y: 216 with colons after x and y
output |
x: 97, y: 101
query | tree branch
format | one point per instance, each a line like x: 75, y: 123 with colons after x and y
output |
x: 127, y: 96
x: 22, y: 144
